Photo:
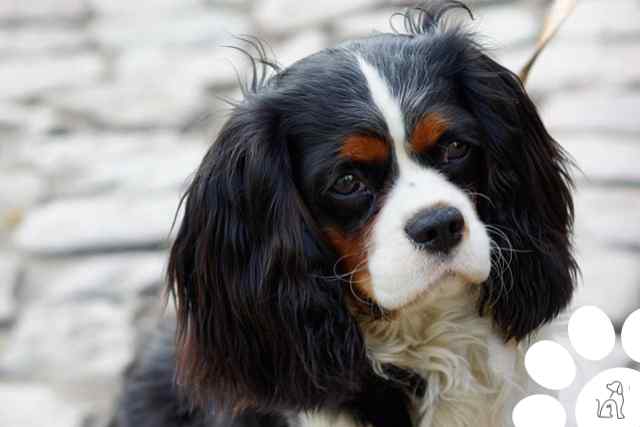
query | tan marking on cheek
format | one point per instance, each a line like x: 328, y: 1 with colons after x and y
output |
x: 353, y: 259
x: 427, y: 132
x: 361, y: 148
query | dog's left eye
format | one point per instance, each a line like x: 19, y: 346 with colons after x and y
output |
x: 348, y: 184
x: 455, y: 150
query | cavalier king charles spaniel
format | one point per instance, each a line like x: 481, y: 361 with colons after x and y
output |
x: 372, y: 234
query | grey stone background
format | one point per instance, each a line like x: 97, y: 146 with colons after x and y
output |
x: 107, y: 106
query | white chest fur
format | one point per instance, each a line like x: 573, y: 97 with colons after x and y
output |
x: 472, y: 376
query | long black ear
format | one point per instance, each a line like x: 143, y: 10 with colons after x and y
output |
x: 529, y: 208
x: 261, y: 323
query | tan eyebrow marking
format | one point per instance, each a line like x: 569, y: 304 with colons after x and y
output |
x: 362, y: 148
x: 427, y: 132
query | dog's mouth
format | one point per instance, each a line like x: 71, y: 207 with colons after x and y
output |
x: 449, y: 284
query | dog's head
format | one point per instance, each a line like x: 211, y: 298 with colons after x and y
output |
x: 374, y: 171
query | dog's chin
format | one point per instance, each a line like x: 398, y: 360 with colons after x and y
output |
x: 447, y: 285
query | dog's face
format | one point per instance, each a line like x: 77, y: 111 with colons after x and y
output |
x: 391, y: 164
x: 380, y: 169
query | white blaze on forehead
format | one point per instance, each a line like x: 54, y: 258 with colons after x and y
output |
x: 388, y: 106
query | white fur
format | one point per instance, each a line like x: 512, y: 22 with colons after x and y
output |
x: 400, y: 272
x: 324, y: 419
x: 472, y: 378
x: 386, y: 103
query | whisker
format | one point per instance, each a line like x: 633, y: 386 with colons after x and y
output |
x: 481, y: 195
x: 501, y: 263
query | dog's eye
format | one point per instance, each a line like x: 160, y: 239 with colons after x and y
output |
x: 347, y: 184
x: 455, y: 150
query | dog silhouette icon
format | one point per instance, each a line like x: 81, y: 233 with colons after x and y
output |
x: 613, y: 405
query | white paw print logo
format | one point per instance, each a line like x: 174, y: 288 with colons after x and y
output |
x: 611, y: 398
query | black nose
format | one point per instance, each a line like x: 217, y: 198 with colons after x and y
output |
x: 436, y: 229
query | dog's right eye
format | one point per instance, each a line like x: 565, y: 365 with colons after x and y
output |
x: 455, y: 151
x: 347, y: 185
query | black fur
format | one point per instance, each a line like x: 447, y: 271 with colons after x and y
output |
x: 150, y: 397
x: 529, y: 205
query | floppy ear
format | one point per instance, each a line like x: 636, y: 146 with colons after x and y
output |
x: 530, y: 208
x: 261, y: 322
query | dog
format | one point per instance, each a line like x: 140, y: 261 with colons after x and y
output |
x: 613, y: 404
x: 374, y: 231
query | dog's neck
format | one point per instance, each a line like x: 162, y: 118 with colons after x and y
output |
x: 468, y: 370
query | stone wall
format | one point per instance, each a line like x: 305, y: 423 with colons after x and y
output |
x: 106, y: 108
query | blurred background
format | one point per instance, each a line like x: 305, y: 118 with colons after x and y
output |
x: 106, y: 108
